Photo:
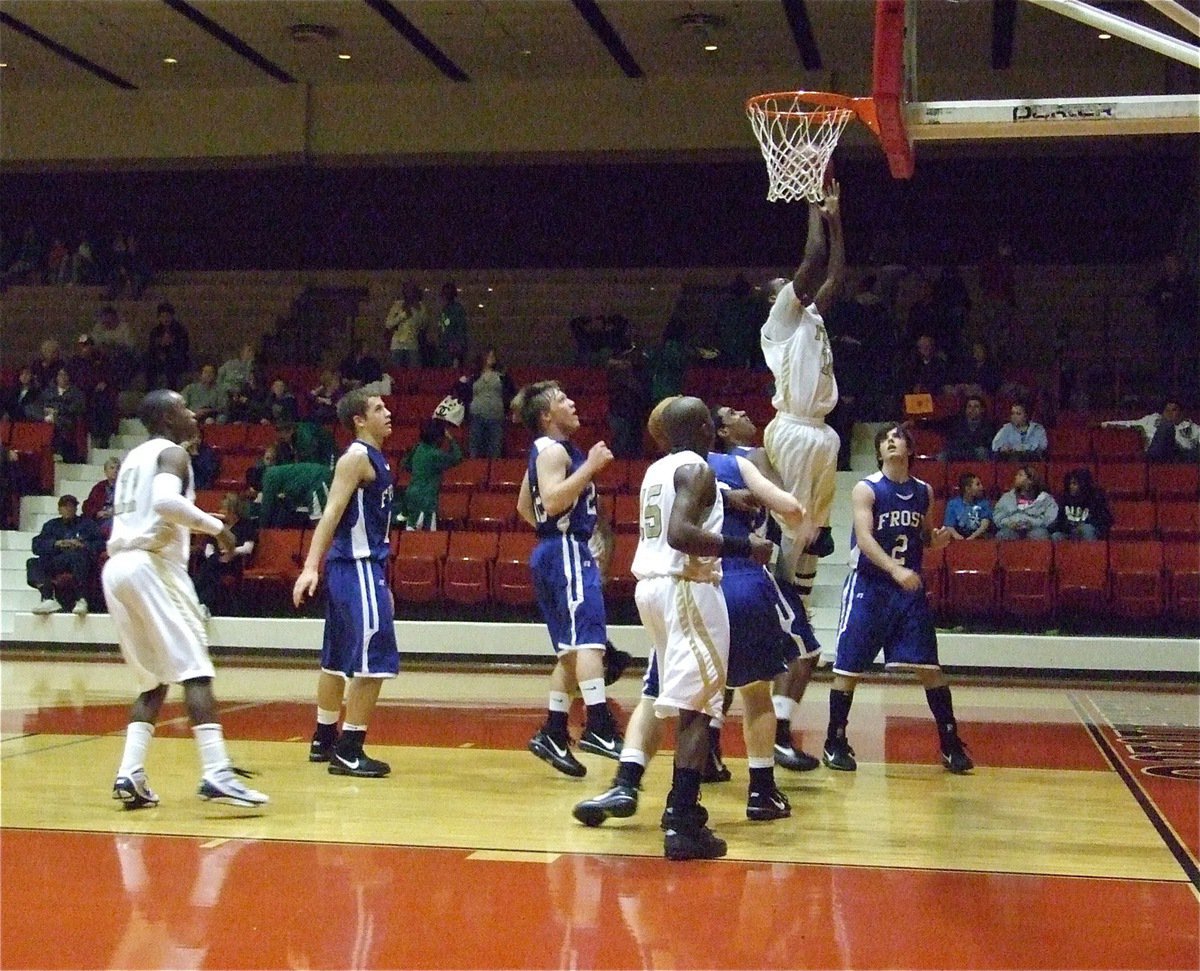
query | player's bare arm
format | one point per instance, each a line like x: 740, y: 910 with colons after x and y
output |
x: 815, y: 253
x: 936, y: 538
x: 352, y: 470
x: 784, y: 504
x: 558, y: 490
x: 835, y: 273
x: 525, y: 502
x: 863, y: 502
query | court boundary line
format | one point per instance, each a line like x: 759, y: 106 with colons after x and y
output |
x: 1160, y: 823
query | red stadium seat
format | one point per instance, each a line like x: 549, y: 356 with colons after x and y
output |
x: 258, y: 437
x: 1069, y: 443
x: 928, y: 443
x: 1117, y: 444
x: 1174, y: 482
x: 210, y: 500
x: 225, y: 438
x: 627, y: 514
x: 467, y: 573
x: 933, y: 576
x: 1182, y: 564
x: 1135, y: 571
x: 613, y: 478
x: 971, y: 577
x: 621, y: 582
x: 1122, y: 480
x: 275, y: 563
x: 1132, y: 519
x: 469, y: 474
x: 505, y: 475
x: 417, y: 565
x: 1056, y: 473
x: 1025, y: 568
x: 492, y: 512
x: 637, y: 472
x: 434, y: 380
x: 512, y: 582
x: 933, y: 472
x: 1081, y: 578
x: 452, y: 510
x: 31, y: 440
x: 232, y: 474
x: 1179, y: 521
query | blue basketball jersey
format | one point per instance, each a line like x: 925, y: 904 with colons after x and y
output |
x: 362, y: 532
x: 580, y: 519
x: 736, y: 525
x: 897, y: 525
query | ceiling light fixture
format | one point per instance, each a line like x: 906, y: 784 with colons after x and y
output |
x: 705, y: 25
x: 343, y: 57
x: 1104, y: 36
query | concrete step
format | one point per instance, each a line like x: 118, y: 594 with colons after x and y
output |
x: 16, y: 539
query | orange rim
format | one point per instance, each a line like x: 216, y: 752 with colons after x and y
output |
x: 824, y: 103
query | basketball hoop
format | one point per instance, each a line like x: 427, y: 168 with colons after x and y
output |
x: 797, y: 132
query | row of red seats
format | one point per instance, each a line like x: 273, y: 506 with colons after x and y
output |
x: 1077, y: 443
x: 32, y: 441
x: 1119, y: 480
x: 1167, y: 519
x: 1038, y: 579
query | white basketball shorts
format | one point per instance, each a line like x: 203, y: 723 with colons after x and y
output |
x: 804, y: 452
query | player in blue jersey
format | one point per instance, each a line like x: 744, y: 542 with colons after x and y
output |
x: 736, y: 433
x: 359, y: 649
x: 558, y: 499
x: 883, y: 601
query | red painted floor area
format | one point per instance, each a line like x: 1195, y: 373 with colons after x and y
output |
x: 156, y: 902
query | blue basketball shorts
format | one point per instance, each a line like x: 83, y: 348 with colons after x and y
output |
x: 360, y: 636
x: 567, y: 583
x: 756, y: 638
x: 800, y: 641
x: 879, y: 615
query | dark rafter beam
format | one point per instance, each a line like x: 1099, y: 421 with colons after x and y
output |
x: 232, y: 41
x: 65, y: 52
x: 609, y: 37
x: 802, y: 33
x: 412, y: 33
x: 1004, y: 18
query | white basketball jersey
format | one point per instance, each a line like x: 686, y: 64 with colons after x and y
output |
x: 135, y: 525
x: 796, y: 348
x: 655, y: 557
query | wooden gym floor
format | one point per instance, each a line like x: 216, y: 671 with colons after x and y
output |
x: 1074, y: 844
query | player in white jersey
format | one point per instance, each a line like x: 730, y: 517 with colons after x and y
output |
x: 153, y: 604
x: 801, y: 447
x: 679, y: 600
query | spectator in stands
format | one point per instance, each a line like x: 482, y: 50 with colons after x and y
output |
x: 628, y: 400
x: 323, y: 399
x: 1027, y: 510
x: 46, y: 365
x: 310, y: 442
x: 1169, y: 437
x: 739, y: 316
x: 29, y: 263
x: 485, y: 394
x: 969, y: 437
x: 359, y: 367
x: 21, y: 400
x: 248, y: 402
x: 168, y: 350
x: 98, y: 506
x: 119, y: 268
x: 1020, y: 439
x: 82, y: 264
x: 215, y: 595
x: 406, y: 319
x: 281, y: 404
x: 56, y: 258
x: 10, y: 489
x: 234, y: 373
x: 969, y: 514
x: 979, y: 374
x: 293, y: 493
x: 70, y: 546
x: 590, y: 335
x: 93, y: 376
x: 1083, y: 511
x: 667, y: 362
x: 112, y: 339
x: 206, y: 463
x: 926, y: 371
x: 453, y: 332
x: 1176, y: 302
x: 203, y: 396
x: 140, y: 270
x: 433, y: 455
x: 63, y: 406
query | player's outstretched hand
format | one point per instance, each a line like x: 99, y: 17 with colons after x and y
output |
x: 831, y: 204
x: 306, y: 585
x: 599, y: 455
x: 226, y: 543
x: 940, y: 537
x: 761, y: 550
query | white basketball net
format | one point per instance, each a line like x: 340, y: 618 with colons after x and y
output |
x: 797, y: 139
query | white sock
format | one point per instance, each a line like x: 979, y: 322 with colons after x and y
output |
x: 325, y: 717
x: 137, y: 742
x: 757, y: 762
x: 784, y: 706
x: 559, y: 701
x: 210, y: 740
x: 592, y: 691
x: 633, y: 755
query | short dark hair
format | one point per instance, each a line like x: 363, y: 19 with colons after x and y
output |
x: 885, y: 431
x: 974, y: 397
x: 353, y: 404
x: 433, y: 430
x: 964, y: 480
x: 165, y: 307
x: 533, y: 401
x: 155, y: 407
x: 68, y: 500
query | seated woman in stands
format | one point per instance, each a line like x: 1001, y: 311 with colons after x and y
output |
x: 1083, y: 511
x: 1027, y: 510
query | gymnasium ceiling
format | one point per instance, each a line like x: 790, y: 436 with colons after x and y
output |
x: 988, y: 45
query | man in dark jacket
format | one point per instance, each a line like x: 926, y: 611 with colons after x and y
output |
x: 69, y: 544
